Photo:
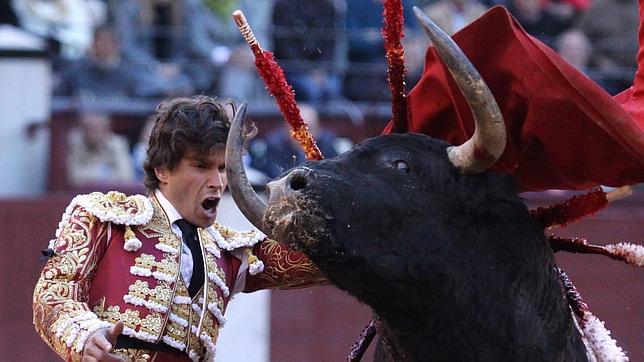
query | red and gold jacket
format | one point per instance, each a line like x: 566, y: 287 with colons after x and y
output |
x: 116, y: 258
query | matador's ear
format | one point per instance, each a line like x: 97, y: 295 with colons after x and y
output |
x: 162, y: 174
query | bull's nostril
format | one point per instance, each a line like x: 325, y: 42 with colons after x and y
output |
x: 297, y: 181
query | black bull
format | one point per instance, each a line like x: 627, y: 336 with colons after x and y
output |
x: 447, y: 256
x: 453, y: 265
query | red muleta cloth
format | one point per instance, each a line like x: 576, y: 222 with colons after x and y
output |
x: 564, y: 131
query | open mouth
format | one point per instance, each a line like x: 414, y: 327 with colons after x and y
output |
x: 210, y: 203
x: 297, y: 222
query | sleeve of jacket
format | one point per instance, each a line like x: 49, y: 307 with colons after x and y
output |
x: 283, y: 269
x: 61, y: 314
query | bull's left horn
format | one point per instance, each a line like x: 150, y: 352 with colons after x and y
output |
x: 249, y: 203
x: 488, y: 141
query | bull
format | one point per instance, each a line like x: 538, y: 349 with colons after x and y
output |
x: 445, y: 253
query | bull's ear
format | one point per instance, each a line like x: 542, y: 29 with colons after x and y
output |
x: 488, y: 141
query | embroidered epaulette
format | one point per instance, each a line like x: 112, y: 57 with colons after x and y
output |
x: 230, y: 239
x: 115, y: 207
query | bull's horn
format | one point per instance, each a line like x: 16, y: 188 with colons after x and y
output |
x: 488, y: 141
x: 250, y: 204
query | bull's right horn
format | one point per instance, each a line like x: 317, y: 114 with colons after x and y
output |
x: 488, y: 141
x: 249, y: 203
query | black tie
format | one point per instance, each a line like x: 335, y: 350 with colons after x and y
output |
x: 189, y: 234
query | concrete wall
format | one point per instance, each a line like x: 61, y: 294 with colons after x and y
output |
x: 25, y: 84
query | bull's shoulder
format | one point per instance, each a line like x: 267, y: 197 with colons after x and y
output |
x: 229, y: 239
x: 115, y: 207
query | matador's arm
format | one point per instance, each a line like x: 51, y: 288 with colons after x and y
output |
x: 62, y: 316
x: 283, y: 269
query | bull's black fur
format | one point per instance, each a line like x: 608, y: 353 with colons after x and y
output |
x: 452, y: 264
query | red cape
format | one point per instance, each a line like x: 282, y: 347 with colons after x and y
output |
x: 564, y: 131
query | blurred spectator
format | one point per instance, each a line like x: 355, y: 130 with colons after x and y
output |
x: 278, y: 151
x: 415, y: 46
x: 567, y: 9
x: 453, y: 15
x: 68, y: 25
x: 96, y: 154
x: 219, y: 59
x: 140, y: 148
x: 575, y: 48
x: 151, y: 35
x: 103, y: 73
x: 538, y: 20
x: 366, y: 77
x: 193, y: 44
x: 423, y: 3
x: 306, y: 40
x: 611, y: 26
x: 491, y: 3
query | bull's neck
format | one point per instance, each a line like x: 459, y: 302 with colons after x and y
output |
x: 466, y: 331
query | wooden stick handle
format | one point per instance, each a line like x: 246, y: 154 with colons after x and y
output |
x: 246, y: 31
x: 619, y: 193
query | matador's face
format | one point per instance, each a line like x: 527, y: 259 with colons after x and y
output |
x: 195, y: 185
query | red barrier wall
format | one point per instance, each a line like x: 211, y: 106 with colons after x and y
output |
x: 26, y: 226
x: 320, y: 324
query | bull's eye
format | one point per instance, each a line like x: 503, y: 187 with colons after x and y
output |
x: 401, y: 166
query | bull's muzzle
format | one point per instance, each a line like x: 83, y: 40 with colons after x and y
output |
x: 296, y: 180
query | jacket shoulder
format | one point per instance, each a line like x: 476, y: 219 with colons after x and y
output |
x: 115, y: 207
x: 229, y: 239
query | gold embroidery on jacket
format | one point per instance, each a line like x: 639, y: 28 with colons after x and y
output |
x: 145, y: 261
x: 151, y: 324
x: 284, y: 269
x: 133, y: 355
x: 161, y: 294
x: 61, y: 292
x: 159, y: 228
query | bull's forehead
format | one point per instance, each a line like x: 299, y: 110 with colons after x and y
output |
x: 417, y: 149
x: 388, y: 170
x: 413, y: 143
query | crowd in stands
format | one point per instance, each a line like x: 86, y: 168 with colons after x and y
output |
x: 278, y: 151
x: 96, y: 154
x: 331, y: 50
